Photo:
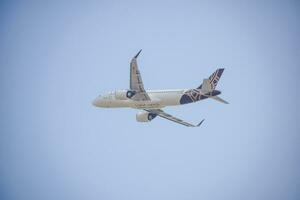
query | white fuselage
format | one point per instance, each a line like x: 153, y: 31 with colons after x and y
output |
x: 159, y: 99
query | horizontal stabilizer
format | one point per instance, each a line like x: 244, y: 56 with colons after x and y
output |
x: 217, y: 98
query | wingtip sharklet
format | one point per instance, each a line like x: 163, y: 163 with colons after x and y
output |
x: 138, y: 54
x: 200, y: 122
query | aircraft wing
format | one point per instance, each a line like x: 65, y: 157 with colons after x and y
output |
x: 136, y: 82
x: 162, y: 114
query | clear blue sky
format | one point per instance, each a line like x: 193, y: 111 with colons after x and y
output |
x: 55, y: 58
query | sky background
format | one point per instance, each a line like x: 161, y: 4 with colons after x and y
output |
x: 57, y: 56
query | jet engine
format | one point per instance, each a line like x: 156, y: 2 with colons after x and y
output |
x: 130, y: 94
x: 124, y: 94
x: 145, y: 116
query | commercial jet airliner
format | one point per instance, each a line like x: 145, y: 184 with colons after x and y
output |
x: 151, y: 102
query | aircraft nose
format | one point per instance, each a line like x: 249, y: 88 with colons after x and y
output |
x: 96, y: 102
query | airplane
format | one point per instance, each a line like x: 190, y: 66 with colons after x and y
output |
x: 151, y: 102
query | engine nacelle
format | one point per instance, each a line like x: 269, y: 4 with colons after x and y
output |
x: 145, y: 116
x: 124, y: 94
x: 130, y: 94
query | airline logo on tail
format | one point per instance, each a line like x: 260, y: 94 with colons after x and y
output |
x: 214, y: 78
x: 205, y: 90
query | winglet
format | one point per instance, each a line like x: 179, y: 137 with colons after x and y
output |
x: 137, y: 54
x: 200, y: 122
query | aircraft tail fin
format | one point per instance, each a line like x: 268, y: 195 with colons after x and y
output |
x: 211, y: 83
